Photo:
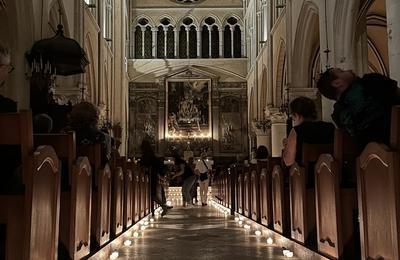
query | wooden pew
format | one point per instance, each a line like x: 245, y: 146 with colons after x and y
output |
x: 137, y: 197
x: 147, y: 194
x: 378, y: 182
x: 255, y: 172
x: 247, y: 192
x: 75, y: 204
x: 239, y: 188
x: 117, y: 195
x: 101, y: 195
x: 142, y: 198
x: 336, y: 201
x: 128, y: 192
x: 31, y: 217
x: 265, y: 187
x: 302, y: 195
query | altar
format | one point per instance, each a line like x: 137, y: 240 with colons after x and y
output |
x: 191, y: 111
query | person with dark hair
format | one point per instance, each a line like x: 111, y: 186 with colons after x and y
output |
x: 262, y: 152
x: 363, y: 105
x: 6, y: 105
x: 188, y: 177
x: 156, y: 169
x: 305, y: 130
x: 42, y: 124
x: 84, y: 121
x: 10, y: 155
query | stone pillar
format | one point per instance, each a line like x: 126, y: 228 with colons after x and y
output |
x: 154, y: 42
x: 393, y: 27
x: 221, y: 42
x: 209, y: 41
x: 165, y: 41
x: 132, y: 43
x: 198, y: 42
x: 187, y: 29
x: 143, y: 34
x: 232, y: 38
x: 176, y: 41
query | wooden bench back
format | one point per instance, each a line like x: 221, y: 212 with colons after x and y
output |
x: 16, y: 129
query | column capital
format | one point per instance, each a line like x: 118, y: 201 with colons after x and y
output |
x: 154, y: 29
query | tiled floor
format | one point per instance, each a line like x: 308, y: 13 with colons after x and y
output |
x: 198, y: 233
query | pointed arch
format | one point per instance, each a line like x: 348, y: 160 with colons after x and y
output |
x: 237, y: 17
x: 195, y: 20
x: 169, y: 17
x: 307, y: 39
x: 280, y: 77
x: 148, y: 18
x: 215, y: 17
x: 90, y: 72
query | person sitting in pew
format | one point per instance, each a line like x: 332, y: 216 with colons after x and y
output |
x: 363, y: 105
x: 305, y: 130
x: 10, y: 155
x: 7, y: 105
x: 84, y: 121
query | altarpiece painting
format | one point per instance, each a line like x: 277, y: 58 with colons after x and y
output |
x: 188, y: 108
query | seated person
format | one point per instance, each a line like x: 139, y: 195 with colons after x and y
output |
x: 262, y: 153
x: 363, y: 105
x: 10, y: 155
x: 6, y: 105
x: 305, y: 130
x: 42, y: 124
x: 84, y: 121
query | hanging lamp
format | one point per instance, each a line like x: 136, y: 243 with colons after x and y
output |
x: 58, y: 55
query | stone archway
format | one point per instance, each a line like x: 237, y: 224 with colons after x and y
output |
x: 307, y: 40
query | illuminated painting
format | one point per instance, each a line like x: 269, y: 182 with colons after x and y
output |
x: 188, y: 108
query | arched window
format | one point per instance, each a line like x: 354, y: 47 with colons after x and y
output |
x: 187, y: 39
x: 227, y: 42
x: 205, y: 39
x: 232, y: 39
x: 210, y: 39
x: 215, y: 42
x: 237, y: 42
x: 160, y: 42
x: 143, y: 40
x: 165, y: 39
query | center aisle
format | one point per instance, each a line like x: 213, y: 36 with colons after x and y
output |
x: 198, y: 233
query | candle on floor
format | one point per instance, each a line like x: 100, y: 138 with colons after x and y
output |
x: 114, y: 255
x: 127, y: 242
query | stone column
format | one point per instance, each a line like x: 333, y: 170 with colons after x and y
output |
x: 221, y: 42
x: 232, y: 38
x: 132, y: 43
x: 165, y: 41
x: 209, y: 41
x: 143, y: 34
x: 154, y: 42
x: 187, y: 29
x: 393, y: 27
x: 198, y: 42
x: 176, y: 41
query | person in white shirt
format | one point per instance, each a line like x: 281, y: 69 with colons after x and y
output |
x: 203, y: 168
